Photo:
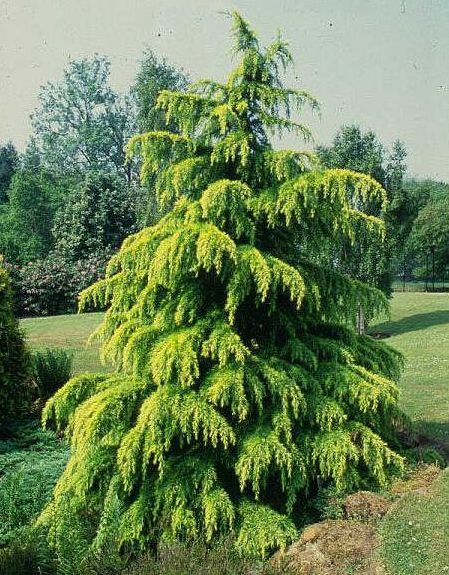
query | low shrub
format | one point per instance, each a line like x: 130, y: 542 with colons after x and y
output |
x: 52, y: 368
x: 15, y: 372
x: 27, y: 554
x: 196, y: 559
x: 51, y: 286
x: 328, y: 504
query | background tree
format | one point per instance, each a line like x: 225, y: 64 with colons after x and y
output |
x: 81, y: 123
x: 362, y: 152
x: 363, y: 259
x: 98, y: 214
x: 430, y: 228
x: 409, y: 257
x: 15, y: 379
x: 154, y: 74
x: 239, y: 385
x: 400, y: 211
x: 25, y: 221
x: 421, y: 191
x: 73, y: 198
x: 92, y: 219
x: 355, y: 150
x: 9, y: 162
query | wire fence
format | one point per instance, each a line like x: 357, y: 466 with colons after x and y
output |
x: 421, y: 285
x: 421, y: 276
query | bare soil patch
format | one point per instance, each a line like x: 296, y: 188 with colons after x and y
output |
x: 330, y: 548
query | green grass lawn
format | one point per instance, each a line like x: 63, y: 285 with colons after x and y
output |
x: 419, y: 328
x: 415, y: 534
x: 69, y: 332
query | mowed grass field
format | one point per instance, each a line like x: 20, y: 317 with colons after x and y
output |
x: 69, y: 332
x: 415, y: 534
x: 419, y: 328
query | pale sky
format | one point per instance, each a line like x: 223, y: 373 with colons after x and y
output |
x: 383, y: 64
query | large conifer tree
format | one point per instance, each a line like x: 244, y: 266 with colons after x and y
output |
x: 240, y: 383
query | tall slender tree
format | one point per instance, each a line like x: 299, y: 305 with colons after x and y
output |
x: 25, y: 224
x: 363, y: 152
x: 239, y: 382
x: 364, y: 259
x: 154, y: 75
x: 9, y: 163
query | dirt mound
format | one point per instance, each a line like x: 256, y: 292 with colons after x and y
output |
x: 419, y: 480
x: 330, y: 548
x: 348, y: 546
x: 365, y: 505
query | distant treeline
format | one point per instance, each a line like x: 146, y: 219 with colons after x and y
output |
x: 70, y: 199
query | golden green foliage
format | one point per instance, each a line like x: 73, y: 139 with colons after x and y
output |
x: 240, y: 382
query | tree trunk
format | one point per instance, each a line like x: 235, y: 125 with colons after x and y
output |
x: 361, y: 321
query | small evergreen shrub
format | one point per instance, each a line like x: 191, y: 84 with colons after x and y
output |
x: 15, y: 380
x: 52, y: 368
x: 329, y: 504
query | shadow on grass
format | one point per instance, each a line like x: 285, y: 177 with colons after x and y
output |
x: 432, y: 434
x: 415, y: 322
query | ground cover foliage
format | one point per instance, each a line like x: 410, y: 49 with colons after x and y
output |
x: 240, y: 384
x: 31, y: 461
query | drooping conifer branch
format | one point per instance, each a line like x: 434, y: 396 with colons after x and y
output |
x: 240, y: 384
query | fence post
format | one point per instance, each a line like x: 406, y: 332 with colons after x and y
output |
x: 432, y: 251
x: 427, y: 271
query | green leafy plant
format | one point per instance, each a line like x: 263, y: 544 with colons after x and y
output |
x: 15, y: 389
x: 52, y: 368
x: 329, y: 504
x: 240, y: 383
x: 30, y: 463
x: 51, y: 286
x: 31, y: 460
x: 27, y: 554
